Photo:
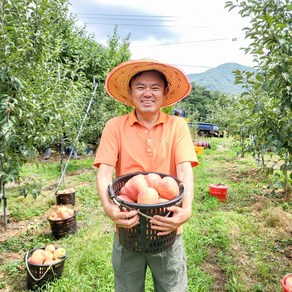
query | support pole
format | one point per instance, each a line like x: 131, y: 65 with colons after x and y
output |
x: 79, y: 132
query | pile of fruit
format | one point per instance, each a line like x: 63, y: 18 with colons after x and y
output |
x: 50, y: 255
x: 149, y: 188
x: 61, y: 213
x: 67, y: 191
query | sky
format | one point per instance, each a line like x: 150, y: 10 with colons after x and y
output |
x: 195, y: 35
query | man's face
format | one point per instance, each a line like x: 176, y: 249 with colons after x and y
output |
x: 147, y: 92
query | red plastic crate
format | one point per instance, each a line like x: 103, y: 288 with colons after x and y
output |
x: 286, y: 287
x: 219, y: 191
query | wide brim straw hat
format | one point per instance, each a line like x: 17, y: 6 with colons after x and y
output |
x: 117, y: 81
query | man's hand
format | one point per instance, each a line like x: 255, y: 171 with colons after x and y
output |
x: 166, y: 225
x: 124, y: 219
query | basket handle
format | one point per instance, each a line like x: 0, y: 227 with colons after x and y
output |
x: 109, y: 191
x: 123, y: 207
x: 50, y: 266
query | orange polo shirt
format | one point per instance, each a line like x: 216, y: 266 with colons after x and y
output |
x: 130, y: 147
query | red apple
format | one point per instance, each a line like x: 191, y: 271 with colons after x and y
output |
x: 148, y: 196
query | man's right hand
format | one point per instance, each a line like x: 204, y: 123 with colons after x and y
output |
x: 124, y: 219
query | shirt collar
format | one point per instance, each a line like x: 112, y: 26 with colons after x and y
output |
x: 162, y: 118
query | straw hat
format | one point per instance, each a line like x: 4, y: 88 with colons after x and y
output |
x: 117, y: 81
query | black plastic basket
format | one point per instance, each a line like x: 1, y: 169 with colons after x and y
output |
x: 65, y: 199
x: 39, y: 275
x: 63, y: 227
x: 142, y: 238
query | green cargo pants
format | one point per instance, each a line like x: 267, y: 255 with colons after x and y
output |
x: 169, y: 270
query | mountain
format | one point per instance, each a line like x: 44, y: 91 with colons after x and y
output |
x: 220, y: 78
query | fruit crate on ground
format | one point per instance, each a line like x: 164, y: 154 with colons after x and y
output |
x: 37, y: 275
x: 219, y: 191
x: 63, y: 227
x: 287, y: 283
x: 65, y: 197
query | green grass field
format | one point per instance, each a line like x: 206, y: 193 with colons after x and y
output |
x: 242, y: 244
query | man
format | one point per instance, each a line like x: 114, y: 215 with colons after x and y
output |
x: 147, y: 140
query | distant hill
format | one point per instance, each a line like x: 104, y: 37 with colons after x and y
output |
x: 220, y: 78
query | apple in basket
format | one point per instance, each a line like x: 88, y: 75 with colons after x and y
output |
x: 59, y: 253
x: 47, y: 256
x: 148, y: 196
x: 125, y: 198
x: 61, y: 213
x: 134, y: 186
x: 153, y: 180
x: 67, y: 191
x: 50, y: 247
x: 168, y: 188
x: 37, y: 257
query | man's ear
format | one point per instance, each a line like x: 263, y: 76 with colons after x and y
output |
x: 130, y: 93
x: 166, y: 90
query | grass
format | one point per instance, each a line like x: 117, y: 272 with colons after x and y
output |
x: 242, y: 244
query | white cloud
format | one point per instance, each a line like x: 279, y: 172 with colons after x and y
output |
x: 200, y: 34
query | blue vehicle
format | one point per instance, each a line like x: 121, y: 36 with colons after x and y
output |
x: 207, y: 130
x: 204, y: 129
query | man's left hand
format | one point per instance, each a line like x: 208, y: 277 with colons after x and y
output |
x: 166, y: 225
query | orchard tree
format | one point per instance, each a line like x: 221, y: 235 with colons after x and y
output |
x: 199, y: 104
x: 268, y: 91
x: 101, y: 63
x: 44, y: 75
x: 30, y: 85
